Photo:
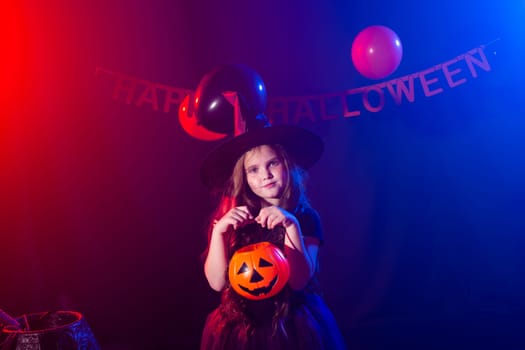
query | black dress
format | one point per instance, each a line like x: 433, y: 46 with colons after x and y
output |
x: 289, y: 320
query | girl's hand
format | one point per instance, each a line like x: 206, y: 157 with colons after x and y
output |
x: 273, y: 216
x: 233, y: 219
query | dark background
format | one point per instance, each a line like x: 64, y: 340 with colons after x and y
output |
x: 102, y: 211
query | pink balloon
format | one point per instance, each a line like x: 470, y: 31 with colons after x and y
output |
x: 376, y: 52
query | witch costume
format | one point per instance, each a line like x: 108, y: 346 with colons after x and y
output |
x: 290, y: 319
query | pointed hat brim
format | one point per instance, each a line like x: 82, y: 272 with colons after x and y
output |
x: 303, y: 146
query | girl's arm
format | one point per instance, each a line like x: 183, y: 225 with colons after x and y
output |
x: 215, y: 265
x: 301, y: 253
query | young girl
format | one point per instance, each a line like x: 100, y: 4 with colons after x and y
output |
x: 261, y: 177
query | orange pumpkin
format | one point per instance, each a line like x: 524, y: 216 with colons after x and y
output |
x: 258, y: 271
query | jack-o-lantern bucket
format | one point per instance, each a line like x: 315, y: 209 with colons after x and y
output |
x: 258, y: 271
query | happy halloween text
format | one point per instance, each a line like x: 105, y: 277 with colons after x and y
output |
x: 294, y: 109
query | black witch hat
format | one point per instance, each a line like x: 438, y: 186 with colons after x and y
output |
x: 303, y: 146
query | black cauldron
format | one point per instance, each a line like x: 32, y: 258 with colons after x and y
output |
x: 57, y: 330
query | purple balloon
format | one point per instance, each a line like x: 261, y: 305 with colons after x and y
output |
x: 376, y: 52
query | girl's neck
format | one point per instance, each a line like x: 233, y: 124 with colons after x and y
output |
x: 265, y: 203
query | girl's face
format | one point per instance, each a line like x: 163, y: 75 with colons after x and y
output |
x: 265, y: 173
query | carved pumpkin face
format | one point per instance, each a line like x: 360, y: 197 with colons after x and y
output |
x: 258, y: 271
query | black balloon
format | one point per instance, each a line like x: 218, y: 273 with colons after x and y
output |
x: 212, y: 109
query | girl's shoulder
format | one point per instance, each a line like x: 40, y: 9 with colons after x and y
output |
x: 310, y: 222
x: 307, y: 211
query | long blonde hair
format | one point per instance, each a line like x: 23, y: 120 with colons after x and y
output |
x: 237, y: 192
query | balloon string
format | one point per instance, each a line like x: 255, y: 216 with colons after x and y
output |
x: 491, y: 42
